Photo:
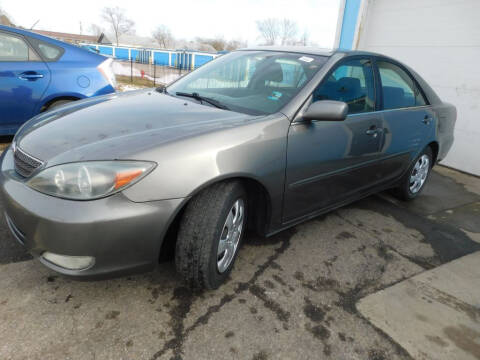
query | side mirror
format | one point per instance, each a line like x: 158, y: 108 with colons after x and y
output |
x: 326, y: 110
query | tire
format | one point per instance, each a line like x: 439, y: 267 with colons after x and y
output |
x: 204, y: 225
x: 58, y: 103
x: 406, y: 190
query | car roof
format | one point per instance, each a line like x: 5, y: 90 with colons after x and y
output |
x: 16, y: 30
x: 74, y: 50
x: 310, y: 50
x: 34, y: 35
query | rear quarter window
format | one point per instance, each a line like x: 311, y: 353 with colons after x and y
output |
x: 49, y: 52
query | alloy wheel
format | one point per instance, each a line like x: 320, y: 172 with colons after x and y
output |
x: 419, y: 173
x: 230, y: 236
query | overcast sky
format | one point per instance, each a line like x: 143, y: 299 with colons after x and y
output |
x: 186, y: 19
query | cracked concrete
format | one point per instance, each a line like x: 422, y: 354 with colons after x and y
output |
x: 292, y: 296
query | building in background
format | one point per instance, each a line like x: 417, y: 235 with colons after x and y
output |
x: 74, y: 38
x: 4, y: 20
x: 441, y: 41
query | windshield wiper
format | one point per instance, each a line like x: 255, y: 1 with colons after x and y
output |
x: 200, y: 98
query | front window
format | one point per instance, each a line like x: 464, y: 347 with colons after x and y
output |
x: 352, y: 82
x: 253, y: 82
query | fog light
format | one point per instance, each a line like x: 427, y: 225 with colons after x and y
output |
x: 69, y: 262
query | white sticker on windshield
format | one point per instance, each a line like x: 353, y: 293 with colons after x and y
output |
x: 306, y: 59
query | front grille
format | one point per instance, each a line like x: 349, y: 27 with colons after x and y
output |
x: 25, y: 164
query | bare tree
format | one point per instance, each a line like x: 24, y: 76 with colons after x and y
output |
x: 304, y: 39
x: 96, y: 30
x: 218, y: 43
x: 269, y: 30
x: 163, y: 36
x: 119, y: 22
x: 235, y: 44
x: 202, y: 47
x: 288, y: 31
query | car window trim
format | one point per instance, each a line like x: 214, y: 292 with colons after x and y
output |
x: 396, y: 109
x: 371, y: 112
x: 409, y: 74
x: 30, y: 47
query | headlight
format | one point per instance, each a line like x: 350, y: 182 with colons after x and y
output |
x: 89, y: 180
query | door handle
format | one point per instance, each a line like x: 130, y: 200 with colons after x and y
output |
x: 374, y: 131
x: 30, y: 76
x: 427, y: 119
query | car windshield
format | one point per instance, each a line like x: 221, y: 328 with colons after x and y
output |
x: 252, y: 82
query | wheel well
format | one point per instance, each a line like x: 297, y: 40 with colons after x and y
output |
x: 434, y: 146
x: 259, y: 210
x: 50, y: 102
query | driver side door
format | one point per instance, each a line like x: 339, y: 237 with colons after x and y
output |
x: 329, y: 162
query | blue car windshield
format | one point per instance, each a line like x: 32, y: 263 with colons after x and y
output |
x: 252, y: 82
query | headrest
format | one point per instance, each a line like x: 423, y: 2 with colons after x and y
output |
x: 349, y: 85
x: 273, y: 73
x: 393, y: 97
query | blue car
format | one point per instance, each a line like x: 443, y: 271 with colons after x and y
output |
x: 38, y: 73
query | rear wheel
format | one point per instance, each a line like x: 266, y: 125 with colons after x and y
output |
x: 58, y: 103
x: 416, y: 177
x: 210, y: 234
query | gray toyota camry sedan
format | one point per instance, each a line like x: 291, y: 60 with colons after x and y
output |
x: 256, y: 140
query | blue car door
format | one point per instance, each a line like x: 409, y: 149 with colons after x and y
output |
x: 24, y: 77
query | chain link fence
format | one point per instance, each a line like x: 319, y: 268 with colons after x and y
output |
x: 134, y: 74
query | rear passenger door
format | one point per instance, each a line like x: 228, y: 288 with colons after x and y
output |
x: 24, y: 77
x: 408, y: 119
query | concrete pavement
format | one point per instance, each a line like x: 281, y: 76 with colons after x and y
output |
x: 434, y: 315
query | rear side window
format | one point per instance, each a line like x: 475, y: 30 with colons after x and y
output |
x: 14, y: 48
x: 352, y: 82
x: 50, y: 52
x: 398, y: 88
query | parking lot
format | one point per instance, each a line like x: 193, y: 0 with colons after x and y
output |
x: 292, y: 296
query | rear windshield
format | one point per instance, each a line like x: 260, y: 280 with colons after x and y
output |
x: 253, y: 82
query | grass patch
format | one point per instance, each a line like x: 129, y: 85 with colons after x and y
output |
x: 136, y: 80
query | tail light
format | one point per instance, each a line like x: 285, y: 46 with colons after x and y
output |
x: 106, y: 69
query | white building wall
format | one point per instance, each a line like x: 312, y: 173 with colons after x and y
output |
x: 440, y: 39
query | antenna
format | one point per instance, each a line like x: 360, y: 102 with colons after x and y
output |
x: 35, y: 23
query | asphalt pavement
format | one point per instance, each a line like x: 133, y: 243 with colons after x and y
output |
x: 292, y: 296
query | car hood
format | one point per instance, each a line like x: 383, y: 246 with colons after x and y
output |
x: 119, y: 126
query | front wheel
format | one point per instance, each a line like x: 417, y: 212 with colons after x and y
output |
x: 416, y: 177
x: 210, y: 234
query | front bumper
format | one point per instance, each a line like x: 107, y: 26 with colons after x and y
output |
x: 123, y: 236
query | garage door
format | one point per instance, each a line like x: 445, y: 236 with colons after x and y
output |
x: 440, y: 39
